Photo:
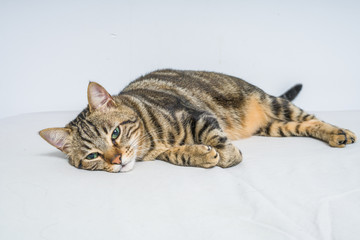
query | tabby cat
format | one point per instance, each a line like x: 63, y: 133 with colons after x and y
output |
x: 183, y: 117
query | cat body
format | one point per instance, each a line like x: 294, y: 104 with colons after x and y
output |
x: 187, y: 118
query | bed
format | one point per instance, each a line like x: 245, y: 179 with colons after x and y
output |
x: 285, y: 188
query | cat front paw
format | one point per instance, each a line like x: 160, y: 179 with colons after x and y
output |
x: 209, y: 156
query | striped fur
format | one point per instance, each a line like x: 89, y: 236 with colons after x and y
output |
x: 183, y: 117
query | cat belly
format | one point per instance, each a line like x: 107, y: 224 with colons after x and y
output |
x: 254, y: 117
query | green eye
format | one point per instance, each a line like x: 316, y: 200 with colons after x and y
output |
x: 115, y: 134
x: 92, y: 156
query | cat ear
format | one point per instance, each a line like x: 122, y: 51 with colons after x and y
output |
x: 99, y: 98
x: 58, y: 137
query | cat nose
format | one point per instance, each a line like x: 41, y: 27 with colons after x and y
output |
x: 116, y: 159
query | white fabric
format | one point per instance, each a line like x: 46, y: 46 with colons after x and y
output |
x: 286, y: 188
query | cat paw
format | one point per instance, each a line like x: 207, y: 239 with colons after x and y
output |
x: 229, y: 156
x: 210, y: 157
x: 341, y: 138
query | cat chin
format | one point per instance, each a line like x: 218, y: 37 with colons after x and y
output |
x: 116, y: 168
x: 129, y: 166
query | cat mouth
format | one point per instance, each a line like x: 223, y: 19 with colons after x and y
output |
x: 123, y: 167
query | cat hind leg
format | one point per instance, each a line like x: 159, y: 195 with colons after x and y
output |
x: 334, y: 136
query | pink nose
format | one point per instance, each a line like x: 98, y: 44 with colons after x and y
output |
x: 116, y: 159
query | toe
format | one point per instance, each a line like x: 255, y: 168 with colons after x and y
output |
x: 351, y: 137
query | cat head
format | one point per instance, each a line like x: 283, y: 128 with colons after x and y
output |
x: 104, y: 136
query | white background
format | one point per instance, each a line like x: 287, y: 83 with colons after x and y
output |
x: 50, y: 50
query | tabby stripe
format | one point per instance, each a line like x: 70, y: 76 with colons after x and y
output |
x: 282, y: 134
x: 86, y: 132
x: 132, y: 130
x: 202, y: 130
x: 173, y: 121
x: 260, y: 130
x: 305, y: 117
x: 135, y: 107
x: 156, y: 124
x: 82, y: 138
x: 220, y: 146
x: 193, y: 128
x: 126, y: 129
x: 268, y: 128
x: 153, y: 98
x: 86, y: 146
x: 221, y: 142
x: 182, y: 142
x: 205, y: 88
x: 95, y: 164
x: 105, y: 130
x: 286, y: 110
x: 220, y: 99
x: 150, y: 103
x: 82, y: 116
x: 72, y: 124
x: 80, y: 165
x: 85, y: 139
x: 183, y: 160
x: 184, y: 80
x: 176, y: 159
x: 297, y: 129
x: 85, y: 128
x: 299, y: 115
x: 171, y: 138
x: 94, y: 127
x: 209, y: 122
x: 275, y: 106
x: 128, y: 121
x: 310, y: 117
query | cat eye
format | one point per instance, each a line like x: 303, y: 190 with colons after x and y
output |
x: 92, y: 156
x: 115, y: 134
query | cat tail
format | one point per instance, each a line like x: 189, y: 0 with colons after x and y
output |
x: 292, y: 92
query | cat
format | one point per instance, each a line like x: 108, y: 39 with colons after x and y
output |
x: 186, y: 118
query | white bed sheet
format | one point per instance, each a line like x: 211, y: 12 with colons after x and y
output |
x: 286, y: 188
